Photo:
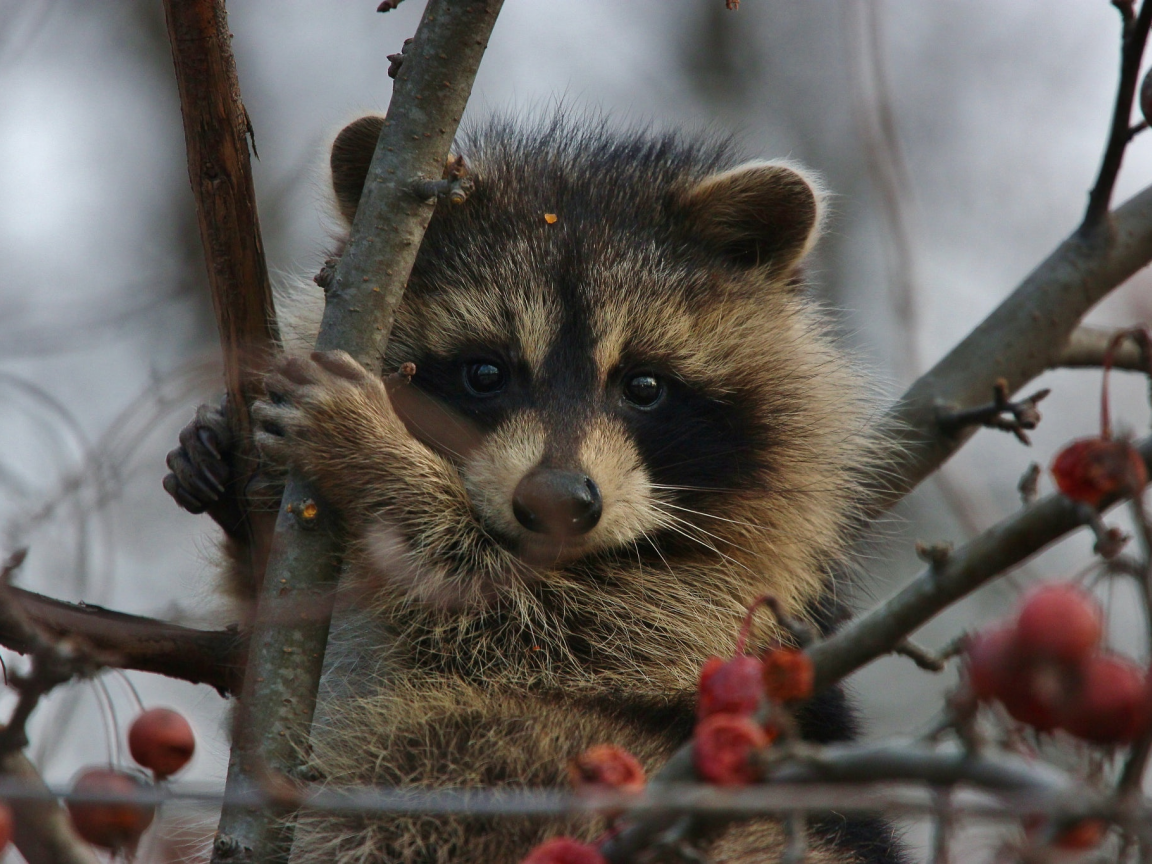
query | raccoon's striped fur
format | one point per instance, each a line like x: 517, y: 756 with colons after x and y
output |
x: 587, y: 271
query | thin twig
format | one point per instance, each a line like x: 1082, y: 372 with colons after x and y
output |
x: 987, y: 556
x: 53, y: 661
x: 1021, y: 416
x: 921, y: 656
x: 1135, y: 35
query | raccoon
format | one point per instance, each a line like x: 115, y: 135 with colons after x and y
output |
x: 626, y: 421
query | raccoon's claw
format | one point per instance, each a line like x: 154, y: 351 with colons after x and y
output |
x: 199, y: 470
x: 297, y: 389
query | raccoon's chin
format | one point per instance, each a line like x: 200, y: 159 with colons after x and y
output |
x: 542, y: 551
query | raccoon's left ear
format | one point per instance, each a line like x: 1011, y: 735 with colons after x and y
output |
x: 760, y: 214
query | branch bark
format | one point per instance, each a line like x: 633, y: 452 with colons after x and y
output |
x: 1087, y: 346
x: 1022, y: 338
x: 284, y: 664
x: 216, y: 132
x: 210, y: 657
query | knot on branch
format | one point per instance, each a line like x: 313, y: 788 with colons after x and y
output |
x: 395, y: 61
x: 455, y: 190
x: 936, y: 554
x: 327, y: 274
x: 1001, y: 413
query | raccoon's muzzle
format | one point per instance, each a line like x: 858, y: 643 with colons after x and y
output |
x: 557, y: 503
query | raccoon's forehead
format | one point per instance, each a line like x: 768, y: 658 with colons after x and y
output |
x: 626, y: 304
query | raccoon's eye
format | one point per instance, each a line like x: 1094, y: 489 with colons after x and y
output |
x: 643, y: 390
x: 484, y: 378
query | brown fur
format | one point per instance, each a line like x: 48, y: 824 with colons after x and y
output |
x: 505, y: 656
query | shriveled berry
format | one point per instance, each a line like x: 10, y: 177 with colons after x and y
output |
x: 7, y: 826
x: 564, y: 850
x: 1059, y: 622
x: 723, y: 747
x: 113, y: 826
x: 989, y: 661
x: 788, y: 675
x: 1112, y: 704
x: 1085, y: 834
x: 734, y: 686
x: 606, y: 766
x: 1078, y: 837
x: 1091, y: 469
x: 161, y: 739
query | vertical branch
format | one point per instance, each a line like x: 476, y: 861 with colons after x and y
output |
x: 216, y: 132
x: 1132, y: 50
x: 287, y: 647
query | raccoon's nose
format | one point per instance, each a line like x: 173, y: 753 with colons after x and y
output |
x: 560, y: 503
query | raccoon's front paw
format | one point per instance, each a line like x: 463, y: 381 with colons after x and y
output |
x: 315, y: 402
x: 199, y: 466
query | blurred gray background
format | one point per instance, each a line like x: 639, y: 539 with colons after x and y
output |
x: 958, y: 137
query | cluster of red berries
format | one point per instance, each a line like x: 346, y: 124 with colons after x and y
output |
x: 160, y: 740
x: 1046, y: 668
x: 730, y: 695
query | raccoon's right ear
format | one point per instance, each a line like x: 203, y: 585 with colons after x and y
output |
x: 350, y: 159
x: 760, y: 214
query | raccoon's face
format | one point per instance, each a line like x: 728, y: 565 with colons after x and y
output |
x: 609, y: 345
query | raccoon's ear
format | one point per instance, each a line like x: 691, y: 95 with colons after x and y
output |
x: 759, y: 214
x: 350, y: 159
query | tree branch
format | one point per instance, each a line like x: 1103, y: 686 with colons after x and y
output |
x: 216, y: 132
x: 1087, y: 346
x: 212, y: 657
x: 1135, y: 35
x: 998, y: 549
x: 1022, y: 338
x: 285, y: 662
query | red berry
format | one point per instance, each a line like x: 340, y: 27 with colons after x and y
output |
x: 990, y: 658
x: 7, y: 826
x: 606, y: 766
x: 788, y: 675
x: 1112, y: 704
x: 564, y: 850
x: 732, y: 687
x: 161, y: 739
x: 114, y: 826
x: 1059, y: 622
x: 723, y: 747
x: 1036, y: 693
x: 1091, y: 469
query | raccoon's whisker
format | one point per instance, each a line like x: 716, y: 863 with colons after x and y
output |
x: 682, y: 521
x: 674, y: 524
x: 713, y: 516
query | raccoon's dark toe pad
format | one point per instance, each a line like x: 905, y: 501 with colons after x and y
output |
x: 199, y: 470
